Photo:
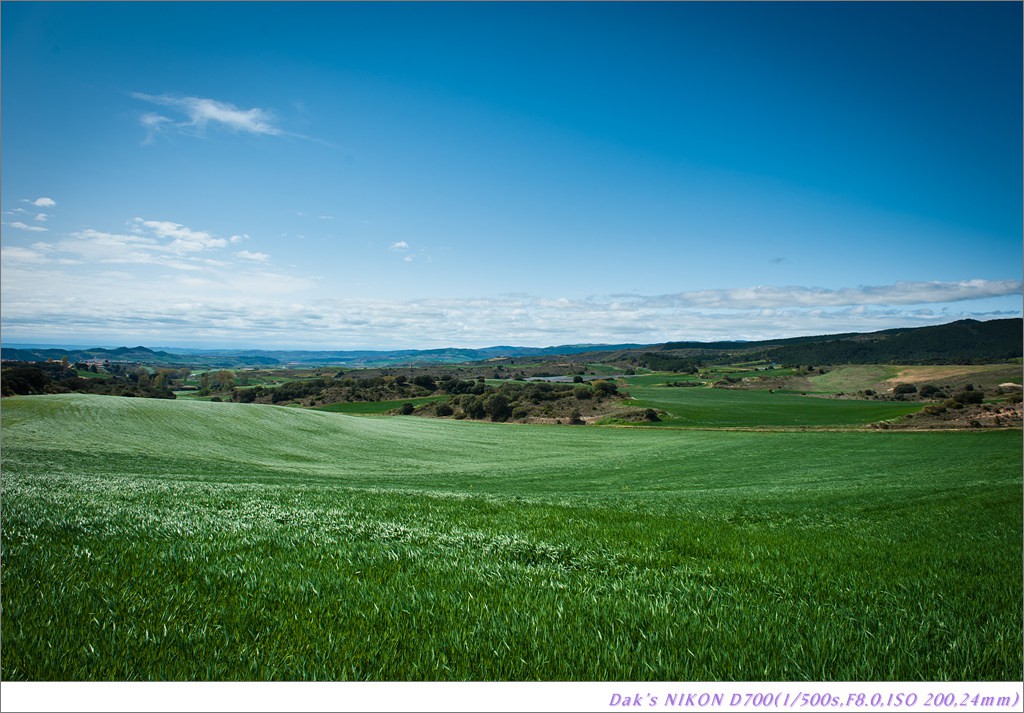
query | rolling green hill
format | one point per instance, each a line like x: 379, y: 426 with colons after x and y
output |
x: 175, y: 540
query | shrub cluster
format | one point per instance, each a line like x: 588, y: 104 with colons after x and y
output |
x: 29, y: 378
x: 518, y: 401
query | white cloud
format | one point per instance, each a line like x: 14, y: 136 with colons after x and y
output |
x: 202, y: 112
x: 150, y: 242
x: 235, y: 239
x: 399, y: 246
x: 255, y: 256
x: 900, y: 293
x: 104, y: 247
x: 23, y: 255
x: 185, y: 240
x: 44, y: 202
x: 22, y: 226
x: 41, y: 217
x: 248, y: 304
x: 154, y: 124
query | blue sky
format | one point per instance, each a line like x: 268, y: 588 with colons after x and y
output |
x: 416, y: 175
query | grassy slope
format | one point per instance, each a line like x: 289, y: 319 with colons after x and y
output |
x: 189, y: 540
x: 882, y: 377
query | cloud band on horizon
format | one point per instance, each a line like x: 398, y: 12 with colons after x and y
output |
x: 230, y: 308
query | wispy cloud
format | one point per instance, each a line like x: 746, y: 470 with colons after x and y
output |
x: 201, y: 112
x: 183, y: 239
x: 254, y: 256
x: 22, y: 255
x: 22, y: 226
x: 161, y: 243
x: 43, y: 202
x: 900, y: 293
x: 400, y: 246
x: 154, y: 124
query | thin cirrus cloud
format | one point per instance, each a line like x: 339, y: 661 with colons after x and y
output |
x: 199, y: 113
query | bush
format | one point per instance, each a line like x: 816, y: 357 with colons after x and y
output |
x: 497, y: 407
x: 970, y: 397
x: 444, y: 409
x: 904, y: 389
x: 426, y: 382
x: 406, y: 409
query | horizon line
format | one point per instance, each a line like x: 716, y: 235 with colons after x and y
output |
x: 71, y: 345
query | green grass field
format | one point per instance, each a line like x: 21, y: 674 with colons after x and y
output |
x: 702, y: 407
x: 150, y: 539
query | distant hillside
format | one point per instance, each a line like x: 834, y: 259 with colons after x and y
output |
x: 127, y: 354
x: 228, y: 358
x: 964, y: 342
x: 967, y: 341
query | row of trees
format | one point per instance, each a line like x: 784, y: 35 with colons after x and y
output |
x: 29, y: 378
x: 466, y: 398
x: 514, y: 400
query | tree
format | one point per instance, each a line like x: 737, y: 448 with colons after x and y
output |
x: 473, y: 406
x: 425, y: 381
x: 497, y: 407
x: 222, y: 380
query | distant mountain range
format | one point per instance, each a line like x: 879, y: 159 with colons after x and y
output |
x: 74, y: 354
x: 964, y: 341
x: 234, y: 358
